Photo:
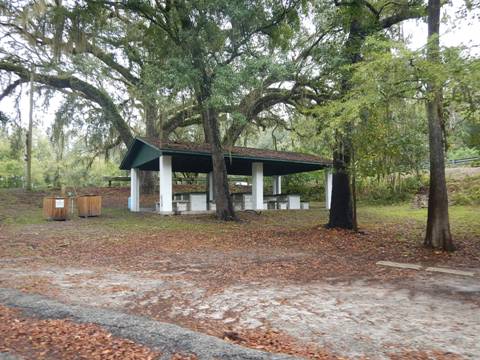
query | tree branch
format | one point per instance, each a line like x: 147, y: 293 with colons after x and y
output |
x: 9, y: 89
x: 87, y: 90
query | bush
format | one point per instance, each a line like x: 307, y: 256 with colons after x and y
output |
x: 463, y: 153
x: 465, y: 191
x: 390, y: 191
x: 310, y: 186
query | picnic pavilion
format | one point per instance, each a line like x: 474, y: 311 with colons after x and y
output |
x: 148, y: 154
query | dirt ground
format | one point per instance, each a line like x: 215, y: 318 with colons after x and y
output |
x: 277, y: 281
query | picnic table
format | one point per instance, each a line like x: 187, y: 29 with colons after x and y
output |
x: 115, y: 178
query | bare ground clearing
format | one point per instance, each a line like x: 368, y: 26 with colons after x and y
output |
x: 278, y: 274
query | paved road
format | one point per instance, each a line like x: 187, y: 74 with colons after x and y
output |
x: 165, y: 338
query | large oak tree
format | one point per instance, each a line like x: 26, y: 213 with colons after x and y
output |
x: 210, y: 44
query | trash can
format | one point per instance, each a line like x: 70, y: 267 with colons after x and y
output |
x: 55, y: 208
x: 89, y: 205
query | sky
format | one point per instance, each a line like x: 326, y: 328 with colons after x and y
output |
x: 456, y: 31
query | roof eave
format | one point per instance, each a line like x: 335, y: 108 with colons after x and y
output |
x: 124, y: 165
x: 127, y: 155
x: 245, y: 157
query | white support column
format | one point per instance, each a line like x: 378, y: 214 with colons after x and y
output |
x: 134, y: 190
x: 277, y: 185
x: 328, y: 188
x: 165, y: 176
x: 211, y: 193
x: 257, y: 185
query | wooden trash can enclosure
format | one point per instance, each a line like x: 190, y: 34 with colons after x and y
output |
x: 89, y: 205
x: 55, y: 208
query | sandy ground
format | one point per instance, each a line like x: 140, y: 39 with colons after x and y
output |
x: 275, y: 273
x: 350, y: 318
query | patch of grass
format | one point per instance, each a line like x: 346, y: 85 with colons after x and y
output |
x: 25, y: 217
x: 390, y: 213
x: 124, y: 220
x: 463, y: 219
x: 19, y: 208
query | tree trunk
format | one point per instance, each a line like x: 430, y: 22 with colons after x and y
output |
x: 341, y: 211
x: 223, y: 200
x: 28, y: 176
x: 151, y: 114
x: 147, y: 178
x: 354, y: 193
x: 438, y: 234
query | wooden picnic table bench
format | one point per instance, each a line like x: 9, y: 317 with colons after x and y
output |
x: 115, y: 178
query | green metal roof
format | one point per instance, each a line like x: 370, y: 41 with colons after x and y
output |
x: 143, y: 153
